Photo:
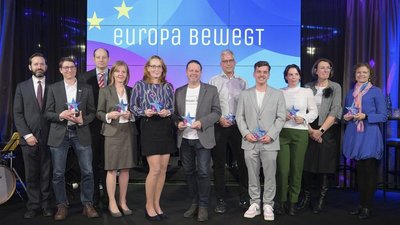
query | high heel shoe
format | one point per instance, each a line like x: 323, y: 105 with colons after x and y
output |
x: 151, y: 218
x: 114, y: 214
x: 163, y: 216
x: 126, y: 212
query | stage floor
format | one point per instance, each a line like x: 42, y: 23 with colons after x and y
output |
x: 174, y: 203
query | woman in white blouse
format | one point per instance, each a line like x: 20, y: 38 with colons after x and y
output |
x: 301, y: 110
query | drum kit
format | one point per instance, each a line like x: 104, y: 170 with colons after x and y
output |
x: 8, y: 174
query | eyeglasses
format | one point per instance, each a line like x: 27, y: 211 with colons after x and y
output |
x: 228, y: 61
x: 155, y: 66
x: 325, y: 68
x: 68, y: 67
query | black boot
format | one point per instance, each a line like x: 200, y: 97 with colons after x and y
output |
x: 322, y: 195
x: 306, y: 200
x: 292, y: 209
x: 280, y: 209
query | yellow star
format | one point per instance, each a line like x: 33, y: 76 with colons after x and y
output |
x: 94, y: 21
x: 123, y: 10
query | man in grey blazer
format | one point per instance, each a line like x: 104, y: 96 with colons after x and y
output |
x: 69, y: 127
x: 199, y: 104
x: 260, y: 116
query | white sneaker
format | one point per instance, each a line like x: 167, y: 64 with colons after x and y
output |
x: 254, y: 210
x: 268, y: 213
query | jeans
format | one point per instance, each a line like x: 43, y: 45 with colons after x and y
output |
x: 196, y: 164
x: 59, y: 160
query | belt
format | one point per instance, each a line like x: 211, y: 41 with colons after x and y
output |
x: 72, y: 127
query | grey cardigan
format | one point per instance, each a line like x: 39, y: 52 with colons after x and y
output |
x: 330, y: 106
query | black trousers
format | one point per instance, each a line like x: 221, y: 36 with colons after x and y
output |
x: 99, y: 174
x: 228, y: 137
x: 38, y: 171
x: 367, y: 175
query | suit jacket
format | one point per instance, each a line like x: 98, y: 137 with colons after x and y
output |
x: 108, y: 99
x: 90, y: 78
x: 330, y: 105
x: 56, y: 103
x: 28, y: 117
x: 208, y: 112
x: 270, y: 117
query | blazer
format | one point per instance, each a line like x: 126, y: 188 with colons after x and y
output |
x: 90, y: 77
x: 331, y: 105
x: 56, y: 103
x: 28, y: 117
x: 208, y: 113
x: 270, y: 117
x: 108, y: 99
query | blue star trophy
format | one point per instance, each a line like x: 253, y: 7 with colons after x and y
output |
x: 188, y: 120
x: 258, y: 133
x: 122, y: 107
x: 156, y: 106
x: 231, y: 118
x: 293, y: 111
x: 352, y: 110
x: 73, y: 105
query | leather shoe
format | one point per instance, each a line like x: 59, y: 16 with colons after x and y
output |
x: 365, y: 213
x: 280, y: 208
x: 48, y: 212
x: 126, y: 212
x: 191, y: 212
x: 151, y: 218
x: 30, y: 214
x: 62, y: 213
x: 203, y: 214
x: 221, y: 206
x: 115, y: 214
x: 163, y: 216
x: 89, y: 211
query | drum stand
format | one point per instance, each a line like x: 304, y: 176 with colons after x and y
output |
x: 10, y: 156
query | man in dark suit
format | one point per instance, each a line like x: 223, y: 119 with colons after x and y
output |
x: 70, y: 109
x: 97, y: 78
x: 33, y: 129
x: 196, y: 136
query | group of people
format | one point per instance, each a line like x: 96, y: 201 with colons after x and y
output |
x: 290, y: 133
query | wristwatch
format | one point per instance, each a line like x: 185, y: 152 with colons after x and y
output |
x: 322, y: 130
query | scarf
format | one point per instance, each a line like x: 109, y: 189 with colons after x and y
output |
x: 359, y: 91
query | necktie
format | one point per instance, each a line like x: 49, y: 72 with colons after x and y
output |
x: 39, y: 96
x: 101, y: 80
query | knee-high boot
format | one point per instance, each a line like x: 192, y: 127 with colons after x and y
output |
x: 322, y: 195
x: 305, y: 201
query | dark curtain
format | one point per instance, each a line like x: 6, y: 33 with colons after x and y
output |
x: 7, y: 18
x: 322, y: 35
x: 373, y: 35
x: 56, y: 28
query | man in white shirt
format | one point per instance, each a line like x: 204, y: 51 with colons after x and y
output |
x: 227, y: 134
x: 70, y: 109
x: 196, y: 138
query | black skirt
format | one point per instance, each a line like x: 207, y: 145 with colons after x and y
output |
x: 323, y: 157
x: 157, y: 136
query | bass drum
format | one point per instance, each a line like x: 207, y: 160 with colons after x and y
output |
x: 7, y: 183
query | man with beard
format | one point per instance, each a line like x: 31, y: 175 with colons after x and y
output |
x: 33, y: 129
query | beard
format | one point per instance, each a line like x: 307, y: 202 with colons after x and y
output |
x: 38, y: 73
